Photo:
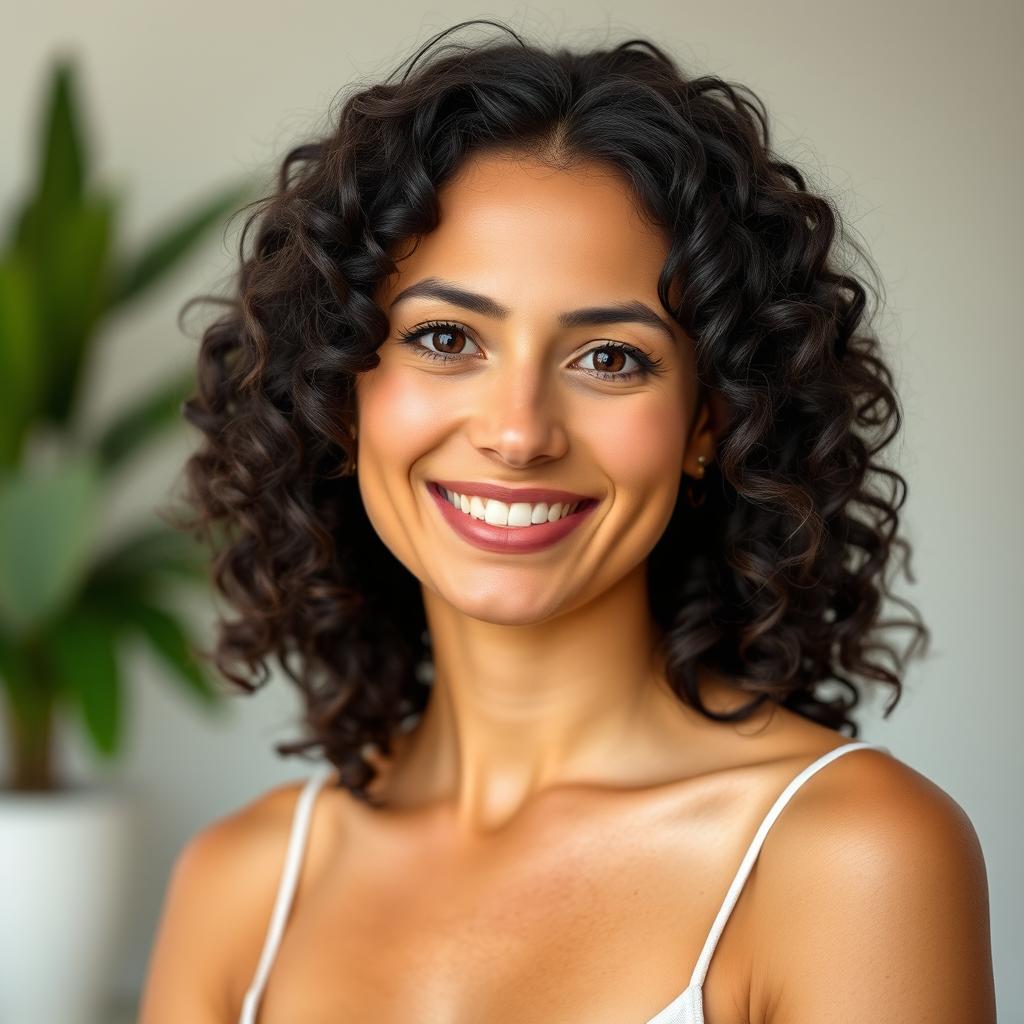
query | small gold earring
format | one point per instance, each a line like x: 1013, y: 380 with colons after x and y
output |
x: 693, y: 499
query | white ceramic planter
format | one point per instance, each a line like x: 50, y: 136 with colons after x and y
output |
x: 64, y: 856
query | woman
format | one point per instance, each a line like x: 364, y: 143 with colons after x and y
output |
x: 543, y: 428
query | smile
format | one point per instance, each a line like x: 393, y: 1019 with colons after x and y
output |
x: 516, y: 527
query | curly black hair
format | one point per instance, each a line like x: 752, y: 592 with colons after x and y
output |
x: 777, y: 578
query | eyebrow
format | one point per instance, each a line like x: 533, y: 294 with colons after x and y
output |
x: 634, y: 312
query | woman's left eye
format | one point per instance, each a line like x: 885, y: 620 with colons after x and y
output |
x: 609, y: 356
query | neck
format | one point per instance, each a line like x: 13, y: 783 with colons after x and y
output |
x: 516, y: 711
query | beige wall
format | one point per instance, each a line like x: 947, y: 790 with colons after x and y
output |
x: 908, y: 113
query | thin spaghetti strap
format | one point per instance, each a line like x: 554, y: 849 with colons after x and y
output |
x: 286, y: 889
x: 704, y: 960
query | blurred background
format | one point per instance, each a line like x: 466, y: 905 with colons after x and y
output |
x: 908, y: 115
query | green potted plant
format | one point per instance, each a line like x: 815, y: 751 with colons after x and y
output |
x: 65, y: 601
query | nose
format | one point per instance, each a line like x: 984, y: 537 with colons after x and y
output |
x: 519, y: 421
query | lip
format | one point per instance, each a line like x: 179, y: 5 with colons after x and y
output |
x: 508, y: 539
x: 511, y: 494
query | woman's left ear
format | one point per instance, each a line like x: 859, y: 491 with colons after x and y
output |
x: 711, y: 419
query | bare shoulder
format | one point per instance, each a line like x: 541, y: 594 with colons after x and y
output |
x: 220, y: 893
x: 872, y: 902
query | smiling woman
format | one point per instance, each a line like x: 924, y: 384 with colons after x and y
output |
x: 543, y: 432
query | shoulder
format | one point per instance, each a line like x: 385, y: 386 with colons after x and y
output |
x: 236, y: 849
x: 868, y: 802
x: 217, y: 901
x: 872, y: 901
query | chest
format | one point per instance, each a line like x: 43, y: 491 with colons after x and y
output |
x: 596, y: 917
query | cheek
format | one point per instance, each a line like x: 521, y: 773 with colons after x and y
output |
x: 640, y: 443
x: 397, y: 415
x: 642, y: 446
x: 399, y: 421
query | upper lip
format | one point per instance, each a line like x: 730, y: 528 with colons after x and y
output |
x: 511, y: 494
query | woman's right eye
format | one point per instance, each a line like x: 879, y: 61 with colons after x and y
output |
x: 447, y: 335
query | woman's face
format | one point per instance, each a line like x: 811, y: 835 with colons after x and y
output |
x: 527, y: 397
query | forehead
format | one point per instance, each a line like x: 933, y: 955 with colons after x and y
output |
x: 535, y: 236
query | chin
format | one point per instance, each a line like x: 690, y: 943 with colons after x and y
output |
x: 514, y: 606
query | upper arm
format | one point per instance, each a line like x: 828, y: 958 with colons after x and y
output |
x: 185, y: 976
x: 877, y: 899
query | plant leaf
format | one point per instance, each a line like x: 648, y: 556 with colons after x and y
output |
x: 46, y: 535
x: 64, y: 236
x: 67, y: 251
x: 167, y: 637
x: 20, y: 364
x: 61, y: 165
x: 150, y: 551
x: 74, y: 279
x: 168, y: 248
x: 62, y: 156
x: 83, y: 651
x: 143, y: 419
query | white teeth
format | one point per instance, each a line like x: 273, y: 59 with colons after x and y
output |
x: 517, y: 514
x: 496, y: 513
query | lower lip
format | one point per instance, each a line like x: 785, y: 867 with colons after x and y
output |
x: 511, y: 539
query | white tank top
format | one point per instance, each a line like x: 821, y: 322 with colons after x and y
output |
x: 686, y: 1008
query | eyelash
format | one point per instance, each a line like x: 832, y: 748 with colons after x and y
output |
x: 648, y: 364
